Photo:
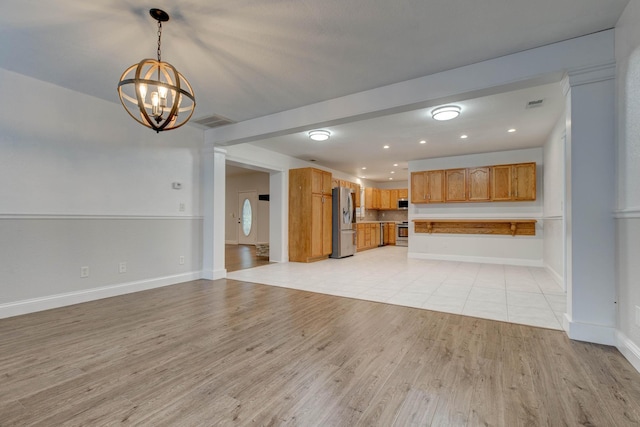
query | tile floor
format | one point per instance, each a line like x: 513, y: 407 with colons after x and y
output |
x: 524, y: 295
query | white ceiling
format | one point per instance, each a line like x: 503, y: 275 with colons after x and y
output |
x: 251, y: 58
x: 484, y: 120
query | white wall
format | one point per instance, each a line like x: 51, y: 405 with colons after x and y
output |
x: 628, y: 168
x: 258, y: 181
x: 553, y: 179
x: 85, y: 185
x: 518, y: 250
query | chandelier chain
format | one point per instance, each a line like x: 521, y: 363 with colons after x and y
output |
x: 159, y: 39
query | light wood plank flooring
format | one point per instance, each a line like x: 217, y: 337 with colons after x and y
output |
x: 240, y: 257
x: 232, y: 353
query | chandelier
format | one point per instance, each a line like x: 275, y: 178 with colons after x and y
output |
x: 170, y: 101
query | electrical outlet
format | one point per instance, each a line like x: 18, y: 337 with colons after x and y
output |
x: 181, y: 207
x: 122, y: 267
x: 637, y: 316
x: 181, y: 260
x: 84, y: 272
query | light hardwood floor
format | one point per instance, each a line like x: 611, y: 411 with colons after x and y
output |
x: 232, y: 353
x: 240, y: 257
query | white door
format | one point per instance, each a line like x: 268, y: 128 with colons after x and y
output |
x: 247, y: 217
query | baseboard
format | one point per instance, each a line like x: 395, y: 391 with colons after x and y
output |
x: 628, y: 349
x: 214, y: 274
x: 61, y: 300
x: 230, y: 242
x: 481, y: 260
x: 558, y: 278
x: 596, y: 334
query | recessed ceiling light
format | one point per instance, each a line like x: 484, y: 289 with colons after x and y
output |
x: 393, y: 171
x: 395, y: 164
x: 363, y: 177
x: 364, y: 168
x: 319, y: 135
x: 511, y: 130
x: 446, y: 112
x: 423, y: 142
x: 390, y: 179
x: 385, y: 147
x: 464, y: 136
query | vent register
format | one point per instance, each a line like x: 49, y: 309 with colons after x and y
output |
x: 214, y: 121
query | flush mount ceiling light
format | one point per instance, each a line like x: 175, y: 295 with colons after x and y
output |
x: 171, y: 100
x: 447, y: 112
x: 319, y: 135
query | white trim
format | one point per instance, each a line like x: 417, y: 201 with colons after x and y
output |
x: 592, y: 74
x: 627, y: 213
x: 597, y: 334
x: 557, y: 277
x: 628, y: 349
x: 90, y: 216
x: 214, y: 274
x: 481, y: 260
x: 61, y: 300
x: 552, y: 218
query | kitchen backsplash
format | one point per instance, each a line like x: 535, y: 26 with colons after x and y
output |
x: 375, y: 215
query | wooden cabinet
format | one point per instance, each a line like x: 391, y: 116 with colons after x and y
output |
x: 368, y: 197
x: 310, y: 205
x: 455, y: 185
x: 479, y: 184
x: 419, y: 187
x: 393, y: 199
x: 385, y: 199
x: 376, y: 198
x: 524, y: 181
x: 513, y: 182
x: 427, y: 187
x: 369, y: 235
x: 389, y: 233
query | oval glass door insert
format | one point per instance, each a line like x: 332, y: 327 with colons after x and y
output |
x: 246, y: 217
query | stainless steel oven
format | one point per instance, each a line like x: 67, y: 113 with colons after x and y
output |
x: 402, y: 234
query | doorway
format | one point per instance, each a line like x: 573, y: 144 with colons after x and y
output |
x: 247, y: 217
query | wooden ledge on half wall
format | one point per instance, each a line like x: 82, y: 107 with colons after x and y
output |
x: 514, y: 227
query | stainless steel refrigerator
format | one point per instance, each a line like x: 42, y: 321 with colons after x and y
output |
x: 344, y: 222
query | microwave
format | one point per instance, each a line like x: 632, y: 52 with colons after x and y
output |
x: 403, y: 204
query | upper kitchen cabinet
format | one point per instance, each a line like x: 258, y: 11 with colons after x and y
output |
x: 455, y: 185
x: 524, y: 177
x: 513, y: 182
x: 393, y: 199
x: 320, y: 181
x: 403, y: 193
x: 427, y: 187
x: 479, y: 184
x: 310, y: 205
x: 385, y: 200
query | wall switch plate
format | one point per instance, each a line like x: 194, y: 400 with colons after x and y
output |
x: 181, y: 260
x: 84, y: 272
x: 181, y: 207
x: 122, y: 267
x: 637, y: 316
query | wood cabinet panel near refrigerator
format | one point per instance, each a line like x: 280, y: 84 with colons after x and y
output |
x: 310, y: 207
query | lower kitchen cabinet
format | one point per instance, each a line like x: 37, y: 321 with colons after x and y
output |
x: 371, y: 233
